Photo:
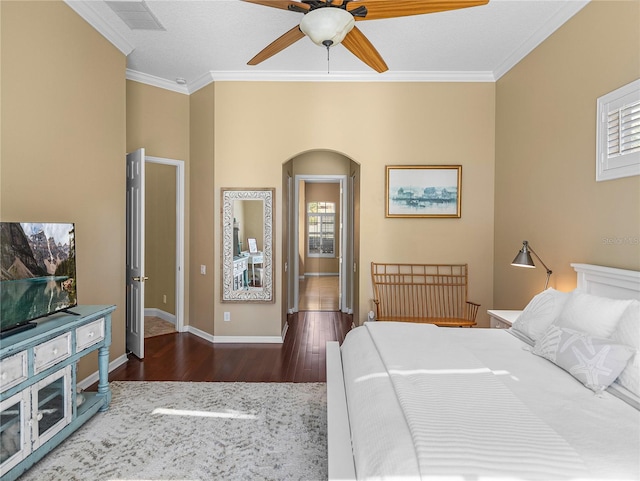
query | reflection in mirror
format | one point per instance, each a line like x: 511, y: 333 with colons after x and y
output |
x: 247, y: 245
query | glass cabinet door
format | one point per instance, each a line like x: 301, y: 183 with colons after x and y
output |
x: 51, y: 406
x: 15, y: 439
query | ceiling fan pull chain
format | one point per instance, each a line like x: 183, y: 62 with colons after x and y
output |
x: 328, y: 69
x: 327, y: 43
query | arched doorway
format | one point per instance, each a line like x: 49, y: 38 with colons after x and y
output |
x: 332, y: 249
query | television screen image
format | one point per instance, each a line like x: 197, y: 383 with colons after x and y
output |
x: 38, y: 276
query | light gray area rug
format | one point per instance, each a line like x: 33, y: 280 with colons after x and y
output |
x: 197, y: 431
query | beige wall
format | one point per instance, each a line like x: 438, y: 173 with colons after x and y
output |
x: 158, y: 120
x: 63, y: 143
x: 546, y: 191
x: 201, y: 288
x: 260, y: 126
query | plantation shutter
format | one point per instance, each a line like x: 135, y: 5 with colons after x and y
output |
x: 623, y: 130
x: 618, y: 139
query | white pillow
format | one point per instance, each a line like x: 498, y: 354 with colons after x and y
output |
x: 541, y: 311
x: 595, y: 315
x: 595, y: 362
x: 628, y: 332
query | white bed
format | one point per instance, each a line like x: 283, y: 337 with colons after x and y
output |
x: 478, y: 403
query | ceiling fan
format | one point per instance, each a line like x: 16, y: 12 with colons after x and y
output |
x: 330, y: 22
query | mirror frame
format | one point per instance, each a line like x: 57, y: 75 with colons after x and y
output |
x: 228, y: 196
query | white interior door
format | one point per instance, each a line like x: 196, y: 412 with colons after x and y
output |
x: 135, y: 253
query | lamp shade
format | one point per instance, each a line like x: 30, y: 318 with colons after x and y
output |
x: 523, y: 259
x: 327, y: 26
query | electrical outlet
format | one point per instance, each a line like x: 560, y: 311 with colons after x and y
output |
x: 203, y: 269
x: 164, y: 298
x: 227, y: 316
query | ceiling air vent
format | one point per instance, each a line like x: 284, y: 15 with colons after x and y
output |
x: 136, y: 15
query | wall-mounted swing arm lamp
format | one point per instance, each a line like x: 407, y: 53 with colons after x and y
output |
x: 523, y: 259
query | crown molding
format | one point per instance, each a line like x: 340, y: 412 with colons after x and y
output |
x: 202, y: 81
x: 156, y: 81
x: 282, y: 76
x: 567, y: 11
x: 87, y: 12
x: 286, y: 76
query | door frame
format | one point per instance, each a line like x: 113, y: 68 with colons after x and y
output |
x: 180, y: 205
x: 346, y: 243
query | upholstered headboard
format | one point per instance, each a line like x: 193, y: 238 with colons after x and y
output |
x: 608, y: 281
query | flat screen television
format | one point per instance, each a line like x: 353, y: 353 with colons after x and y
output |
x: 38, y: 277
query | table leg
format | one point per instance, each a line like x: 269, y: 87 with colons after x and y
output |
x: 103, y: 376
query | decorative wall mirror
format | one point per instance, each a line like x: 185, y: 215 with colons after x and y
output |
x: 246, y: 275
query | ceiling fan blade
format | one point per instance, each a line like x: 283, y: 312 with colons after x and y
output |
x: 361, y: 47
x: 280, y: 43
x: 283, y: 4
x: 379, y: 9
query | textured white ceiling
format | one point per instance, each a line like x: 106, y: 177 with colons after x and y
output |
x: 214, y: 39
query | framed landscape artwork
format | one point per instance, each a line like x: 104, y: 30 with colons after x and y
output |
x: 423, y: 190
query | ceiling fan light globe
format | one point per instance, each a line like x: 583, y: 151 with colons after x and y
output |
x: 327, y: 24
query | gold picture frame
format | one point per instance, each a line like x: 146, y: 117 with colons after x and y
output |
x: 423, y: 191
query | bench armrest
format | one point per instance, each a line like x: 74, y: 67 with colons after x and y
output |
x: 471, y: 311
x: 377, y: 303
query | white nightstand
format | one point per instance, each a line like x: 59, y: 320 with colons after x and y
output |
x: 502, y: 319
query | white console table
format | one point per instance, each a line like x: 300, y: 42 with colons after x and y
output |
x: 502, y: 319
x: 39, y: 402
x: 254, y: 258
x: 240, y: 266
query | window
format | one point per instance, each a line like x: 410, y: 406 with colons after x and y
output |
x: 321, y: 223
x: 618, y: 136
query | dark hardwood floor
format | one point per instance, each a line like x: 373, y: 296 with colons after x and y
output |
x: 186, y: 357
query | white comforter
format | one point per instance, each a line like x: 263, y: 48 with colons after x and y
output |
x: 436, y: 403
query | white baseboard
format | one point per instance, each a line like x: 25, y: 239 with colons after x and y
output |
x: 248, y: 339
x: 93, y: 378
x: 235, y: 339
x: 155, y: 312
x: 321, y: 274
x: 197, y: 332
